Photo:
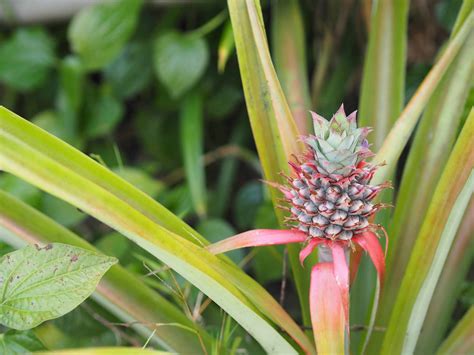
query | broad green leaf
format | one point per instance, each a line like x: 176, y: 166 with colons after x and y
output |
x: 14, y: 342
x: 25, y: 59
x: 192, y: 141
x: 460, y: 341
x: 274, y: 129
x: 104, y: 351
x: 42, y: 283
x: 119, y: 291
x: 98, y: 33
x: 104, y: 114
x: 428, y: 256
x: 449, y: 287
x: 131, y: 71
x: 289, y: 53
x: 400, y: 133
x: 179, y: 61
x: 70, y: 175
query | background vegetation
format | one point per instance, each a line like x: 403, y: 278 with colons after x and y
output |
x: 153, y: 92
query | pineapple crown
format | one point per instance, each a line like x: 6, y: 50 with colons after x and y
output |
x: 338, y: 145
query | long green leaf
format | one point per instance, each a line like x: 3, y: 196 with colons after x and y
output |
x: 405, y: 124
x: 466, y: 9
x: 45, y: 161
x: 289, y: 53
x: 274, y: 130
x: 119, y: 291
x: 449, y: 286
x: 460, y: 341
x: 192, y: 150
x: 439, y: 126
x: 383, y: 81
x: 447, y: 207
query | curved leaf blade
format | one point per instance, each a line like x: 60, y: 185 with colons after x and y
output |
x: 449, y: 287
x: 274, y: 129
x: 210, y: 274
x: 289, y: 53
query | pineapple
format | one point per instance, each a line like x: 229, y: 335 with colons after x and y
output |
x: 329, y: 194
x: 329, y: 200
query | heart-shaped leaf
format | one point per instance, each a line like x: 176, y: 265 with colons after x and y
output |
x: 41, y: 283
x: 98, y: 33
x: 179, y: 61
x: 26, y: 58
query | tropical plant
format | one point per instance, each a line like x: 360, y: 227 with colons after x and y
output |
x: 325, y: 187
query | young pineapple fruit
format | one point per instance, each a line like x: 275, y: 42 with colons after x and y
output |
x: 330, y: 195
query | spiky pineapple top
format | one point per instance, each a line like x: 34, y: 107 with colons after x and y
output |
x: 330, y: 195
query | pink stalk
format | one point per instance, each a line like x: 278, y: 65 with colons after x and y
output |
x: 327, y: 313
x: 341, y: 272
